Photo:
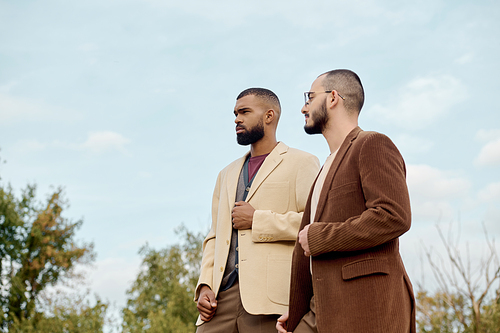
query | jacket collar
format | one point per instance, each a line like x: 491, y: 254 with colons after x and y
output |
x: 270, y: 163
x: 343, y: 149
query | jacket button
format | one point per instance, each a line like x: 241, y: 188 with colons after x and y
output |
x: 227, y: 241
x: 221, y: 269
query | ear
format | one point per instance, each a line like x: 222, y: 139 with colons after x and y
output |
x: 333, y: 99
x: 269, y: 116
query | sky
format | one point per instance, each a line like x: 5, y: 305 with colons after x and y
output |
x: 128, y: 105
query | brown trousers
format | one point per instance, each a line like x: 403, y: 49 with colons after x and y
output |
x: 231, y: 317
x: 308, y: 323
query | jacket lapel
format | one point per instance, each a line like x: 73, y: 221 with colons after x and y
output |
x: 344, y: 148
x: 270, y: 163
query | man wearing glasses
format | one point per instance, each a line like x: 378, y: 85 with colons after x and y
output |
x: 347, y: 273
x: 257, y: 207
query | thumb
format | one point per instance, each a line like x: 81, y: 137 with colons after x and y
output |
x: 211, y: 298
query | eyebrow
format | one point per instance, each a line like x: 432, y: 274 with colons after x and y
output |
x: 243, y: 109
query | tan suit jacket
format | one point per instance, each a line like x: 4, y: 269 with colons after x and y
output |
x: 358, y: 278
x: 278, y: 193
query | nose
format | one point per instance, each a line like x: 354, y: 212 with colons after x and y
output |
x: 305, y: 108
x: 237, y: 120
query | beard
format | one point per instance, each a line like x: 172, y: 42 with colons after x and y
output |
x: 252, y: 135
x: 319, y: 120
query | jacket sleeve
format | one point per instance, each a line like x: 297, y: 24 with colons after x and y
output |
x: 269, y: 226
x: 387, y: 213
x: 207, y: 261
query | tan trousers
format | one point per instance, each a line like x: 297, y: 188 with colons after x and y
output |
x: 231, y: 317
x: 308, y: 323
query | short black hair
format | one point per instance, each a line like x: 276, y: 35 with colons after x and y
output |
x: 265, y: 95
x: 348, y: 84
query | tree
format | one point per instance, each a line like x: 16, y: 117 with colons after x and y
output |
x: 161, y: 298
x: 465, y: 300
x: 38, y: 250
x: 66, y: 314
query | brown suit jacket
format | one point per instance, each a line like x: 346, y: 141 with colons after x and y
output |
x: 358, y: 278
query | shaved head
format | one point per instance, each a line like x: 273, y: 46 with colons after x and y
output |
x: 348, y: 84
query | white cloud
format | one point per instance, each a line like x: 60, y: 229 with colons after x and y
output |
x: 30, y: 146
x: 491, y: 193
x: 96, y: 143
x: 7, y: 87
x: 464, y: 59
x: 422, y: 101
x: 433, y: 191
x: 488, y: 135
x: 490, y: 152
x: 13, y: 109
x: 100, y: 142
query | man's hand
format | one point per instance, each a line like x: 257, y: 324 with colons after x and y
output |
x: 303, y: 240
x: 207, y: 304
x: 281, y: 323
x: 242, y: 215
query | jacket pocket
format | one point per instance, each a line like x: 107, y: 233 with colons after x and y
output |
x: 278, y: 278
x: 365, y: 267
x: 272, y: 196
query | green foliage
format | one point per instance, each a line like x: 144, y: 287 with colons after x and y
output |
x: 491, y: 315
x: 466, y: 301
x: 66, y: 315
x: 38, y: 249
x: 161, y: 298
x: 451, y: 313
x: 437, y: 315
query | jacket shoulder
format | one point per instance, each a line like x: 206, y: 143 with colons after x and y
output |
x: 298, y: 152
x: 301, y: 158
x: 294, y: 152
x: 365, y: 137
x: 234, y: 164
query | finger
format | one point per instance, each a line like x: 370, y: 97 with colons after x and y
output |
x: 212, y: 300
x: 280, y: 327
x: 204, y: 307
x: 206, y: 318
x: 206, y: 313
x: 283, y: 318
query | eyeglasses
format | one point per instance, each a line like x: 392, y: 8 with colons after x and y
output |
x: 307, y: 95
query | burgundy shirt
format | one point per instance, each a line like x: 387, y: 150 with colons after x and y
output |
x: 254, y: 165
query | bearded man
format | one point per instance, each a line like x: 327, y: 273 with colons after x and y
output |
x: 257, y: 206
x: 347, y: 273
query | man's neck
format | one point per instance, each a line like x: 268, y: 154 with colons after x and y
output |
x: 263, y: 146
x: 336, y: 135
